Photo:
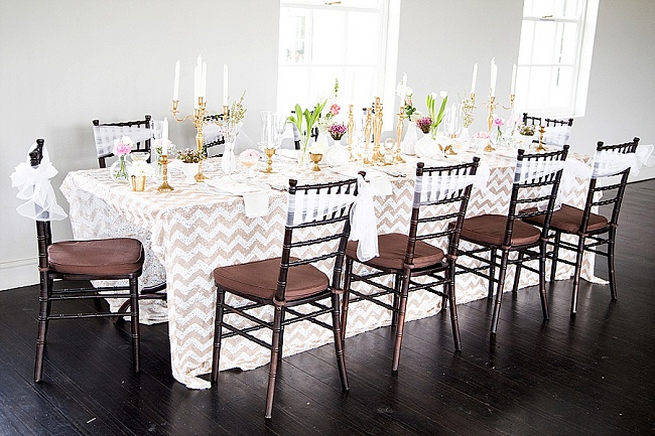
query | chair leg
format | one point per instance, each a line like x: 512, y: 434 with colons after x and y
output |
x: 517, y: 275
x: 396, y: 299
x: 454, y: 322
x: 279, y: 355
x: 401, y: 322
x: 218, y: 332
x: 134, y: 297
x: 492, y: 271
x: 542, y: 279
x: 118, y: 319
x: 275, y: 350
x: 576, y: 275
x: 499, y: 292
x: 346, y: 297
x: 610, y: 262
x: 553, y: 265
x: 44, y: 312
x: 338, y: 343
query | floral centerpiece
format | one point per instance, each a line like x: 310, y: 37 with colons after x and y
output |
x: 428, y: 146
x: 498, y: 134
x: 230, y: 128
x: 331, y: 109
x: 526, y: 130
x: 337, y: 130
x: 138, y: 173
x: 122, y: 147
x: 190, y: 160
x: 437, y: 117
x: 310, y: 118
x: 424, y: 123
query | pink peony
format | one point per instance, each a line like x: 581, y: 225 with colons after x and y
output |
x: 498, y: 122
x: 334, y: 109
x: 123, y: 146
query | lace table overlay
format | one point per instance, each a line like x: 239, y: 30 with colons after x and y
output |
x: 194, y: 229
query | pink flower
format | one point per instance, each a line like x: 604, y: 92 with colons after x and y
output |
x: 123, y: 146
x: 498, y: 122
x: 482, y: 134
x: 334, y: 109
x: 249, y: 155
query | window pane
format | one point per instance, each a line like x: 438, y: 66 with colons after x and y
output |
x: 567, y: 41
x: 561, y: 87
x: 525, y: 48
x: 544, y: 41
x: 363, y: 35
x: 538, y: 87
x: 328, y: 37
x: 293, y: 35
x: 556, y: 8
x: 293, y: 87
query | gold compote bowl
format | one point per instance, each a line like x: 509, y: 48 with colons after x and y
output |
x: 316, y: 158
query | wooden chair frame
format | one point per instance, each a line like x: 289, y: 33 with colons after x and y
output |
x: 525, y: 253
x: 443, y: 273
x: 596, y: 236
x: 550, y: 122
x: 48, y: 294
x: 281, y: 306
x: 219, y: 141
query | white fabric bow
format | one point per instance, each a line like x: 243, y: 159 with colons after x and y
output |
x: 364, y: 223
x: 431, y: 188
x: 34, y: 185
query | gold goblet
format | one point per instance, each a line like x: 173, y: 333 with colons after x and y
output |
x: 316, y: 158
x: 269, y: 160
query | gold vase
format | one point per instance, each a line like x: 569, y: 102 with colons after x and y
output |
x: 138, y: 183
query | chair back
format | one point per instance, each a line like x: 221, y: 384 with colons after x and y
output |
x: 550, y: 122
x: 536, y: 181
x: 212, y: 137
x: 437, y: 186
x: 140, y: 131
x: 609, y: 161
x: 317, y: 205
x: 43, y: 229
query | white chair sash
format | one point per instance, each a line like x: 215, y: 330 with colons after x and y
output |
x: 430, y: 188
x: 531, y: 169
x: 105, y: 136
x: 611, y: 162
x: 559, y: 135
x: 34, y: 186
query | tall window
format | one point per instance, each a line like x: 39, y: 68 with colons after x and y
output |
x: 555, y: 52
x: 347, y: 40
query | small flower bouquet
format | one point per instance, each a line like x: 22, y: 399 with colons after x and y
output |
x: 498, y: 123
x: 190, y: 156
x: 122, y: 147
x: 526, y: 130
x: 337, y: 130
x: 424, y: 124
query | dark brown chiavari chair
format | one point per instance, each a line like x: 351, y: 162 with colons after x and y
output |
x: 409, y: 256
x: 101, y: 259
x: 286, y: 282
x: 588, y: 226
x: 215, y: 141
x: 509, y: 234
x: 550, y: 122
x: 140, y: 146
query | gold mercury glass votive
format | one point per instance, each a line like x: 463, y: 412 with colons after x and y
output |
x: 316, y: 158
x: 138, y: 183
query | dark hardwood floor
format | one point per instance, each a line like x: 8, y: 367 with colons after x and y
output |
x: 594, y: 374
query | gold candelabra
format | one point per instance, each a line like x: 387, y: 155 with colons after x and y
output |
x: 399, y: 135
x: 377, y: 132
x: 198, y: 118
x: 490, y: 121
x: 351, y: 129
x: 511, y: 103
x: 164, y: 187
x: 368, y: 125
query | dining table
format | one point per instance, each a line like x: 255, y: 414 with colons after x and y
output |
x: 197, y: 227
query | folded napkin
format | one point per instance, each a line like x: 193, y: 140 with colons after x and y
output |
x: 255, y: 197
x: 337, y: 155
x: 379, y: 182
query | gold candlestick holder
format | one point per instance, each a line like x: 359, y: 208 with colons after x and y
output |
x: 351, y: 129
x: 490, y: 121
x: 399, y: 135
x: 367, y: 135
x: 377, y: 132
x: 541, y: 147
x: 511, y: 103
x: 164, y: 187
x: 198, y: 119
x: 269, y: 160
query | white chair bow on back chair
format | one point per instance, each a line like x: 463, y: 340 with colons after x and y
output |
x: 101, y: 259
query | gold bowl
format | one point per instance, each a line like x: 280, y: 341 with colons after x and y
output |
x: 316, y: 158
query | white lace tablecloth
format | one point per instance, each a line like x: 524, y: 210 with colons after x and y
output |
x: 192, y: 230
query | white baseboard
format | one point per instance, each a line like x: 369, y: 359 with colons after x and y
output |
x: 17, y: 273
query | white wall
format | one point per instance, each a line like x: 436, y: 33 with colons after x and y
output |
x: 63, y: 64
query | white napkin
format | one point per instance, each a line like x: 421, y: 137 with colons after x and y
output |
x: 256, y: 203
x: 337, y: 155
x: 255, y: 197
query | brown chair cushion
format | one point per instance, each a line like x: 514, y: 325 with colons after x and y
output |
x: 490, y: 230
x: 259, y: 279
x: 97, y: 257
x: 568, y: 219
x: 392, y: 248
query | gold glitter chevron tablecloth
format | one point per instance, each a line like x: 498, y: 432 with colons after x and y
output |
x: 194, y: 229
